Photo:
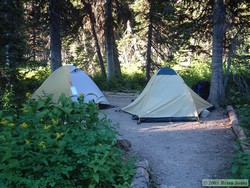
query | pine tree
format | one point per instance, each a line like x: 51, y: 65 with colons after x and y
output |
x: 12, y: 43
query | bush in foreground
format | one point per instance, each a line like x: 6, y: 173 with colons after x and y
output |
x: 60, y: 145
x: 241, y: 165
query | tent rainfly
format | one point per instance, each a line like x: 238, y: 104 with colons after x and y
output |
x: 166, y: 97
x: 72, y: 82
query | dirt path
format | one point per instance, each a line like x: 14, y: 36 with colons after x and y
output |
x: 180, y: 154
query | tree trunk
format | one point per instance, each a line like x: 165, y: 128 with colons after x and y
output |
x: 98, y: 49
x: 55, y: 37
x: 231, y: 52
x: 12, y: 51
x: 7, y: 16
x: 110, y: 45
x: 33, y: 35
x: 216, y: 90
x: 150, y: 32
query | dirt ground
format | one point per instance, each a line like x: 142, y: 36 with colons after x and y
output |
x: 180, y: 154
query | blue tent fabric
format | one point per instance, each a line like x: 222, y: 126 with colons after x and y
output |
x: 166, y: 71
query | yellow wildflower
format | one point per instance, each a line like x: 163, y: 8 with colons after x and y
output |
x: 46, y: 127
x: 28, y: 95
x: 42, y: 144
x: 55, y: 121
x: 27, y: 141
x: 41, y: 119
x: 58, y: 135
x: 4, y: 122
x: 24, y: 125
x: 25, y: 110
x: 11, y: 124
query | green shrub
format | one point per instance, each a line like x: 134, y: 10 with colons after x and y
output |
x: 197, y: 71
x: 244, y: 115
x: 241, y: 166
x: 100, y: 81
x: 241, y: 161
x: 67, y: 144
x: 7, y: 100
x: 241, y: 104
x: 127, y: 83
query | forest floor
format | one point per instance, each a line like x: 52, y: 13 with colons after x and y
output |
x: 180, y: 154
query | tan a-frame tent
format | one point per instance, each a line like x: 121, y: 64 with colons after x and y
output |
x: 72, y: 82
x: 166, y: 97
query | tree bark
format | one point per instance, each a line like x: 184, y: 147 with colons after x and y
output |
x: 149, y: 45
x: 55, y: 37
x: 33, y: 35
x: 216, y: 90
x: 98, y: 49
x: 231, y: 52
x: 110, y: 44
x: 7, y: 16
x: 12, y: 43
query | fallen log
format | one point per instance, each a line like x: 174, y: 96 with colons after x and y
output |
x: 237, y: 128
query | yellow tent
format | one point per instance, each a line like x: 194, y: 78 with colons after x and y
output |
x: 166, y: 97
x: 72, y: 82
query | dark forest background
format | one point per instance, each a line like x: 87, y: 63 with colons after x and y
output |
x: 120, y: 44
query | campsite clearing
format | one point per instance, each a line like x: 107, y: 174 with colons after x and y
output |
x: 180, y: 154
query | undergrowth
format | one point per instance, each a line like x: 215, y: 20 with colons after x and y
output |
x: 240, y: 165
x: 126, y: 83
x: 67, y: 144
x: 241, y: 160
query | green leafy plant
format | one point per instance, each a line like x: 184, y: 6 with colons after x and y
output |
x: 241, y: 165
x: 241, y: 161
x: 68, y: 144
x: 196, y: 72
x: 7, y: 100
x: 244, y: 115
x: 127, y: 83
